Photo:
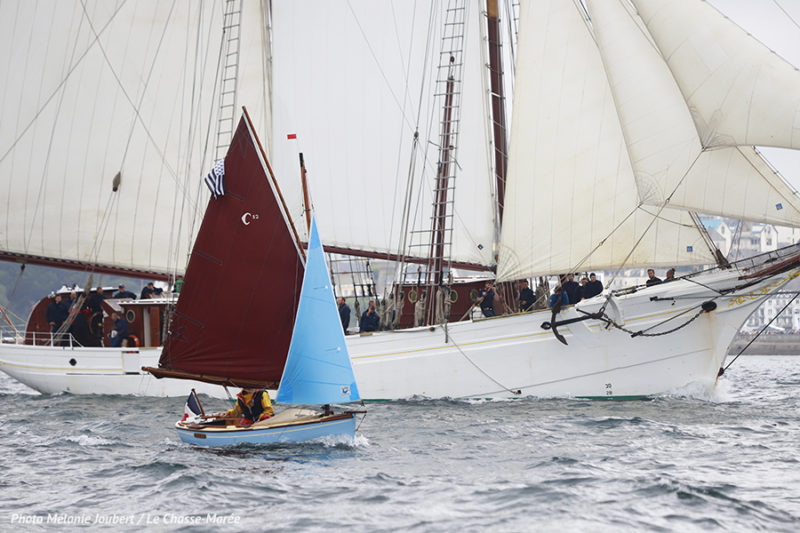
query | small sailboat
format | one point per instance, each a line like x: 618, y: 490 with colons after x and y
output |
x: 317, y: 372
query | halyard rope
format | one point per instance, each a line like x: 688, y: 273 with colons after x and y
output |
x: 450, y: 336
x: 722, y: 370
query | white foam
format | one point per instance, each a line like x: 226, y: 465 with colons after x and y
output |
x: 702, y: 391
x: 344, y: 440
x: 87, y: 440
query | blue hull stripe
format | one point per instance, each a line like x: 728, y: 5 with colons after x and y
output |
x: 294, y: 433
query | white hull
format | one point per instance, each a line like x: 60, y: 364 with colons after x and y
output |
x: 49, y: 370
x: 492, y: 358
x: 292, y: 425
x: 513, y: 356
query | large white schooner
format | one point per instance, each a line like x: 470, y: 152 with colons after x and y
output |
x: 629, y: 119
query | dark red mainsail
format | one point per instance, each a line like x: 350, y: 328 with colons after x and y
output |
x: 234, y: 318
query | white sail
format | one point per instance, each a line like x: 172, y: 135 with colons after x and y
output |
x: 579, y: 160
x: 353, y: 82
x: 690, y: 149
x: 572, y: 201
x: 739, y: 92
x: 254, y: 84
x: 93, y: 89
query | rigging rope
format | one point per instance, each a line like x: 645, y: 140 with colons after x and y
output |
x: 3, y: 312
x: 786, y: 13
x: 722, y: 370
x: 75, y: 308
x: 705, y: 307
x: 656, y: 217
x: 603, y: 317
x: 200, y: 185
x: 362, y: 418
x: 183, y: 190
x: 517, y: 392
x: 412, y: 158
x: 72, y: 67
x: 61, y: 95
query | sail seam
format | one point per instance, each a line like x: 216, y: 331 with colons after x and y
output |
x: 655, y: 217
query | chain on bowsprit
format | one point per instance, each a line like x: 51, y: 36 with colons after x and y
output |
x: 705, y: 307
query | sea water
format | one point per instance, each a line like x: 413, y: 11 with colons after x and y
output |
x: 692, y: 461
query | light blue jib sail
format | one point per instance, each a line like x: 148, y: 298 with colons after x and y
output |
x: 318, y: 369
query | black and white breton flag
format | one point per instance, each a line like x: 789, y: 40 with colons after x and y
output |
x: 215, y: 179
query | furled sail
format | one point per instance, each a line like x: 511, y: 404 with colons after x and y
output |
x: 233, y: 322
x: 98, y: 89
x: 354, y: 82
x: 318, y: 368
x: 572, y: 201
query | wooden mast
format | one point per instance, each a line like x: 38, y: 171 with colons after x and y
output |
x: 507, y: 292
x: 435, y: 277
x: 442, y: 178
x: 306, y: 200
x: 498, y: 104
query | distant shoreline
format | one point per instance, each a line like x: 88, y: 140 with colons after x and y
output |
x: 766, y: 345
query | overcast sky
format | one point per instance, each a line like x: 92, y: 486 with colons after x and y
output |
x: 776, y: 23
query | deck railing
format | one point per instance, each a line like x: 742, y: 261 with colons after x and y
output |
x: 37, y: 338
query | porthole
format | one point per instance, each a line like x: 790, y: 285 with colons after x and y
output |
x: 473, y: 295
x: 412, y: 296
x: 130, y: 316
x: 73, y: 362
x: 453, y: 296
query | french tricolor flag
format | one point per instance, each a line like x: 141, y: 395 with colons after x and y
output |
x: 192, y: 409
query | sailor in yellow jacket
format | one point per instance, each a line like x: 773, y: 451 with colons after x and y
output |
x: 251, y: 406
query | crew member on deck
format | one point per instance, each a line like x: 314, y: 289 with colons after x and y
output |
x: 370, y: 321
x: 572, y: 289
x: 344, y: 313
x: 581, y: 289
x: 122, y: 293
x: 95, y: 305
x: 593, y: 288
x: 651, y: 278
x: 120, y: 332
x: 526, y: 296
x: 56, y: 314
x: 559, y: 295
x: 251, y: 406
x: 80, y: 326
x: 486, y: 300
x: 149, y: 291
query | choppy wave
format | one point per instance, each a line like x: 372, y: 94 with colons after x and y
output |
x: 687, y: 461
x: 88, y: 440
